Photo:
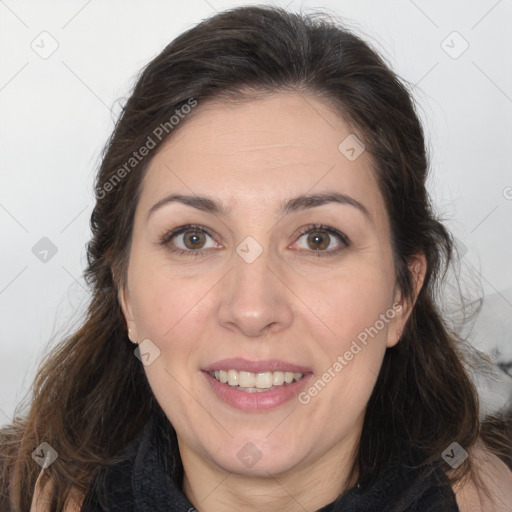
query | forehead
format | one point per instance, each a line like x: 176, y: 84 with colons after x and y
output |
x: 258, y: 153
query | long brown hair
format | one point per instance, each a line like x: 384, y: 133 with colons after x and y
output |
x: 90, y: 396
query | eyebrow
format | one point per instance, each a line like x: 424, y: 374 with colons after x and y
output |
x: 294, y: 204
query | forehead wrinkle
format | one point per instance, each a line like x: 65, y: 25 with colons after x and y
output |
x: 268, y: 146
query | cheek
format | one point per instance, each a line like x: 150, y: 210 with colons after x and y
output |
x: 350, y: 341
x: 164, y: 309
x: 350, y: 350
x: 350, y: 303
x: 335, y: 305
x: 169, y: 310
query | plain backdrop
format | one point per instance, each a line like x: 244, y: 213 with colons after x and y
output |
x: 66, y: 65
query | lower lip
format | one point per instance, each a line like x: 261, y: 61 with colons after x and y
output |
x: 259, y: 400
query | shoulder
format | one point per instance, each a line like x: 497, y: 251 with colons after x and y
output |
x: 41, y: 498
x: 491, y: 490
x: 110, y: 488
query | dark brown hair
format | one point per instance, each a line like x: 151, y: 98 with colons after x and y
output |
x: 91, y: 396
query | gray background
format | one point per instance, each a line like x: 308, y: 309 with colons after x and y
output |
x: 57, y: 110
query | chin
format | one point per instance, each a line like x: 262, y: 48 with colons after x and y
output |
x: 259, y: 457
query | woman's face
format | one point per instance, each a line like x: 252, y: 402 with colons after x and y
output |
x: 266, y: 297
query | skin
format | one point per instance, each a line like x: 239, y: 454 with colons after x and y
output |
x: 288, y: 304
x: 489, y: 470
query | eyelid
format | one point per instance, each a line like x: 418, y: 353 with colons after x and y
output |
x: 168, y: 235
x: 166, y: 238
x: 330, y: 230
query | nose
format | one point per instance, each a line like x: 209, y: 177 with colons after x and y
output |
x: 255, y: 298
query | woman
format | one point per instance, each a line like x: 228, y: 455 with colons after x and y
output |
x: 263, y: 332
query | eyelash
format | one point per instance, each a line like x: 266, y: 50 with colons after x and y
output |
x: 166, y: 238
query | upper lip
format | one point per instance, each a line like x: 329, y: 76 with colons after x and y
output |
x: 268, y: 365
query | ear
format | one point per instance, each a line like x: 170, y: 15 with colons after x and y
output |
x: 123, y: 296
x: 403, y: 308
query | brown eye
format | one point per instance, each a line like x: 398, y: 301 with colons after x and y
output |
x: 321, y: 240
x: 194, y: 239
x: 318, y: 239
x: 190, y: 240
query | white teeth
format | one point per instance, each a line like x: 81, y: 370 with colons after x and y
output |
x: 278, y: 378
x: 264, y: 380
x: 248, y: 381
x: 233, y: 376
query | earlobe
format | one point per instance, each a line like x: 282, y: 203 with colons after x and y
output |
x: 397, y: 324
x: 125, y: 304
x: 131, y: 336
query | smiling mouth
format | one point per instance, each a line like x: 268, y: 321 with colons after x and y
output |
x: 255, y: 382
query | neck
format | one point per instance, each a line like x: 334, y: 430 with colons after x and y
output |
x: 210, y: 489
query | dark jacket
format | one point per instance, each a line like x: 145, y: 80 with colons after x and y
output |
x: 145, y: 482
